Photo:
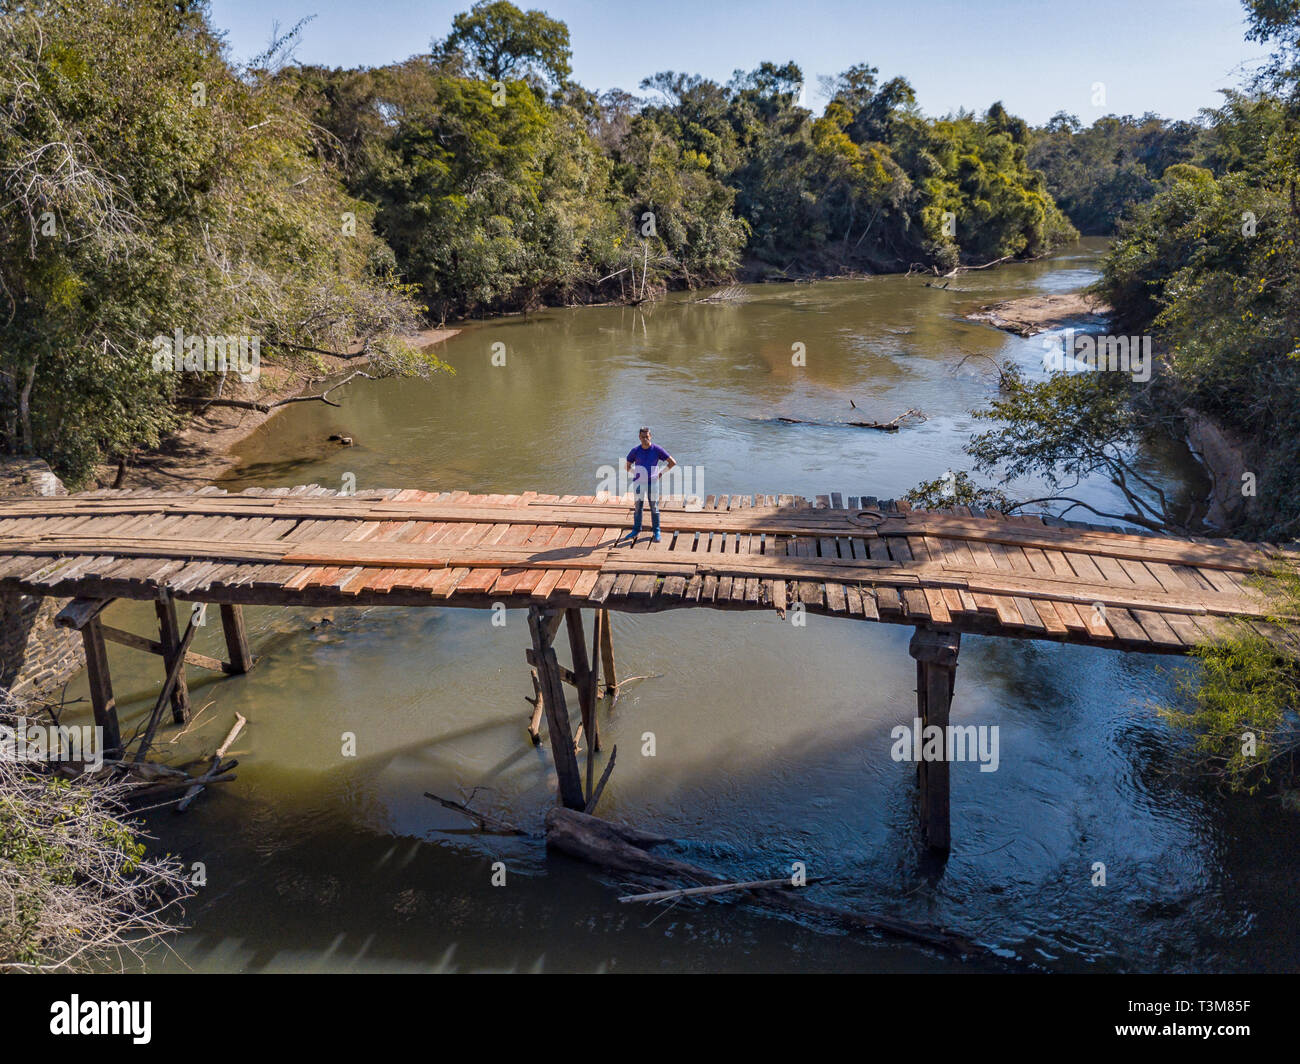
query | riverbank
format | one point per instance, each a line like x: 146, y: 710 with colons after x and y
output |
x: 202, y: 451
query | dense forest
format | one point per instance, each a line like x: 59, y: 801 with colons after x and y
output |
x: 500, y: 184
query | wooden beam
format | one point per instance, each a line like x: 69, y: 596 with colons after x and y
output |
x: 607, y: 656
x: 80, y: 612
x: 593, y: 673
x: 175, y: 672
x: 173, y: 655
x: 539, y: 707
x: 557, y: 714
x: 232, y: 625
x: 152, y: 646
x: 586, y: 704
x: 101, y: 687
x: 935, y: 652
x: 566, y: 674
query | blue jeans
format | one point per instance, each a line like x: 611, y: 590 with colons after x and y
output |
x: 642, y: 491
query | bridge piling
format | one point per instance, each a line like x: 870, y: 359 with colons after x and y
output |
x: 169, y: 637
x: 935, y: 651
x: 607, y: 657
x: 101, y: 686
x: 232, y: 626
x: 543, y: 624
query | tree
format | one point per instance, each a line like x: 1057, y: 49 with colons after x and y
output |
x: 150, y: 187
x: 503, y: 42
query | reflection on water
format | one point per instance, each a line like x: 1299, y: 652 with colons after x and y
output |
x: 772, y: 741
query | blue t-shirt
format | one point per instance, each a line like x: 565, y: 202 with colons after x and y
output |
x: 647, y: 458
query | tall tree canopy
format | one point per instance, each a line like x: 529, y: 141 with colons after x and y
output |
x: 501, y: 42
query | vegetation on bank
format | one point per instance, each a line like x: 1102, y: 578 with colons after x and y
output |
x: 148, y: 187
x: 1205, y: 260
x: 77, y: 889
x: 501, y: 184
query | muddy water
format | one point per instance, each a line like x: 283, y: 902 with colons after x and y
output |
x: 771, y: 742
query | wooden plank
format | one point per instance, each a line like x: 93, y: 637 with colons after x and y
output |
x: 1126, y: 627
x: 1051, y: 619
x: 1157, y: 630
x: 232, y: 626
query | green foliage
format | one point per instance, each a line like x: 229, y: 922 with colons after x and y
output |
x: 1211, y: 266
x: 1241, y: 702
x: 507, y: 199
x: 1098, y: 173
x: 76, y: 886
x: 959, y: 490
x: 504, y: 42
x: 151, y: 187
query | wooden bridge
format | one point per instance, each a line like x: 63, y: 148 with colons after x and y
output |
x: 944, y: 573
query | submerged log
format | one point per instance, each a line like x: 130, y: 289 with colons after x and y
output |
x: 622, y: 849
x: 879, y: 426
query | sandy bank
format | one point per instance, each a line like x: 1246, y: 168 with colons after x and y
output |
x: 1034, y: 314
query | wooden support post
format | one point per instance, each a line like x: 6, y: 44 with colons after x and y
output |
x: 557, y: 713
x: 582, y: 680
x: 175, y: 674
x: 101, y: 687
x: 232, y: 624
x: 935, y: 651
x: 607, y: 655
x: 593, y: 673
x: 539, y: 707
x: 169, y: 636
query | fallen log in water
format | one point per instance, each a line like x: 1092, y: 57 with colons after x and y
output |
x: 623, y: 849
x: 217, y: 758
x: 879, y: 426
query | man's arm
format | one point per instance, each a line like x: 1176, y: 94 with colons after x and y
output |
x: 670, y: 461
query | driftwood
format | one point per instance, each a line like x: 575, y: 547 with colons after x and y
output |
x: 622, y: 849
x: 485, y: 821
x: 217, y: 774
x: 698, y: 892
x: 879, y: 426
x: 197, y: 789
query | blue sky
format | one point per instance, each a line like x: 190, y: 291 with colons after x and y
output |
x: 1037, y: 56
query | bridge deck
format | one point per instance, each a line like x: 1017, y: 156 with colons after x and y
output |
x: 1024, y: 577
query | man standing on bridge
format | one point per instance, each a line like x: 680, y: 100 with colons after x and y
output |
x: 645, y: 460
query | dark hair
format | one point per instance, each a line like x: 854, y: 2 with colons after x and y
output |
x: 643, y: 428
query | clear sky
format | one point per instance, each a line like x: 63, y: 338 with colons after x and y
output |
x: 1037, y: 56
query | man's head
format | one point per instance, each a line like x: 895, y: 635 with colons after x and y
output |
x: 645, y: 436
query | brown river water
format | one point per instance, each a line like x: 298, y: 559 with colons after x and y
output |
x: 772, y: 742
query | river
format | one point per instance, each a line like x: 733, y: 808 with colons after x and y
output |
x: 771, y: 741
